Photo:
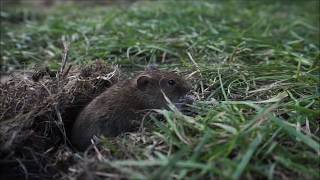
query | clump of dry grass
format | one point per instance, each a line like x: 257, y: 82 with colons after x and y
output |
x: 37, y: 113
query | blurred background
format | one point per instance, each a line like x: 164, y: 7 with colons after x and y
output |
x: 131, y: 32
x: 46, y: 3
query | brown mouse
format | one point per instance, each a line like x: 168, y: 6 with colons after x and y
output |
x: 115, y: 110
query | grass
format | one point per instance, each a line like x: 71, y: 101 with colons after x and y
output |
x: 257, y: 81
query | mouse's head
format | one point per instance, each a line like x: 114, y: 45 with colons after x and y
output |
x: 153, y: 83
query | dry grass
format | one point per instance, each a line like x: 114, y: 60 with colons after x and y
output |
x: 37, y: 113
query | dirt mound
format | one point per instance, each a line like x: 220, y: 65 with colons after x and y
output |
x: 37, y: 112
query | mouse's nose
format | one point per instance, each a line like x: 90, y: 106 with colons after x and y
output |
x: 183, y: 103
x: 189, y: 99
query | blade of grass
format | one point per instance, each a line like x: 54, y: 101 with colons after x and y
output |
x: 247, y: 156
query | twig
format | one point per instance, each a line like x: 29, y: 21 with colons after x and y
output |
x: 141, y: 128
x: 63, y: 131
x: 107, y: 175
x: 60, y: 75
x: 67, y: 71
x: 65, y: 55
x: 60, y: 123
x: 26, y: 174
x: 99, y: 155
x: 198, y: 70
x: 163, y: 57
x: 191, y: 74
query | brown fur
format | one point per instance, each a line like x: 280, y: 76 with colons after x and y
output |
x: 115, y: 110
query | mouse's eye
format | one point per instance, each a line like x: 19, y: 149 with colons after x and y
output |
x: 171, y: 82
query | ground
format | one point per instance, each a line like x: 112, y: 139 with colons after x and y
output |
x: 254, y: 67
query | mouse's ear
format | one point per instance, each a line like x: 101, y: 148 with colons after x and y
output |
x: 143, y: 81
x: 151, y: 67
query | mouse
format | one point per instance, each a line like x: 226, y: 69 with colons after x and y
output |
x: 120, y: 107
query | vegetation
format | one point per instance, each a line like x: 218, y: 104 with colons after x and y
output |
x: 255, y: 72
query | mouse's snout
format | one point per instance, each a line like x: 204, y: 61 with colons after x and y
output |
x: 184, y: 101
x: 188, y: 99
